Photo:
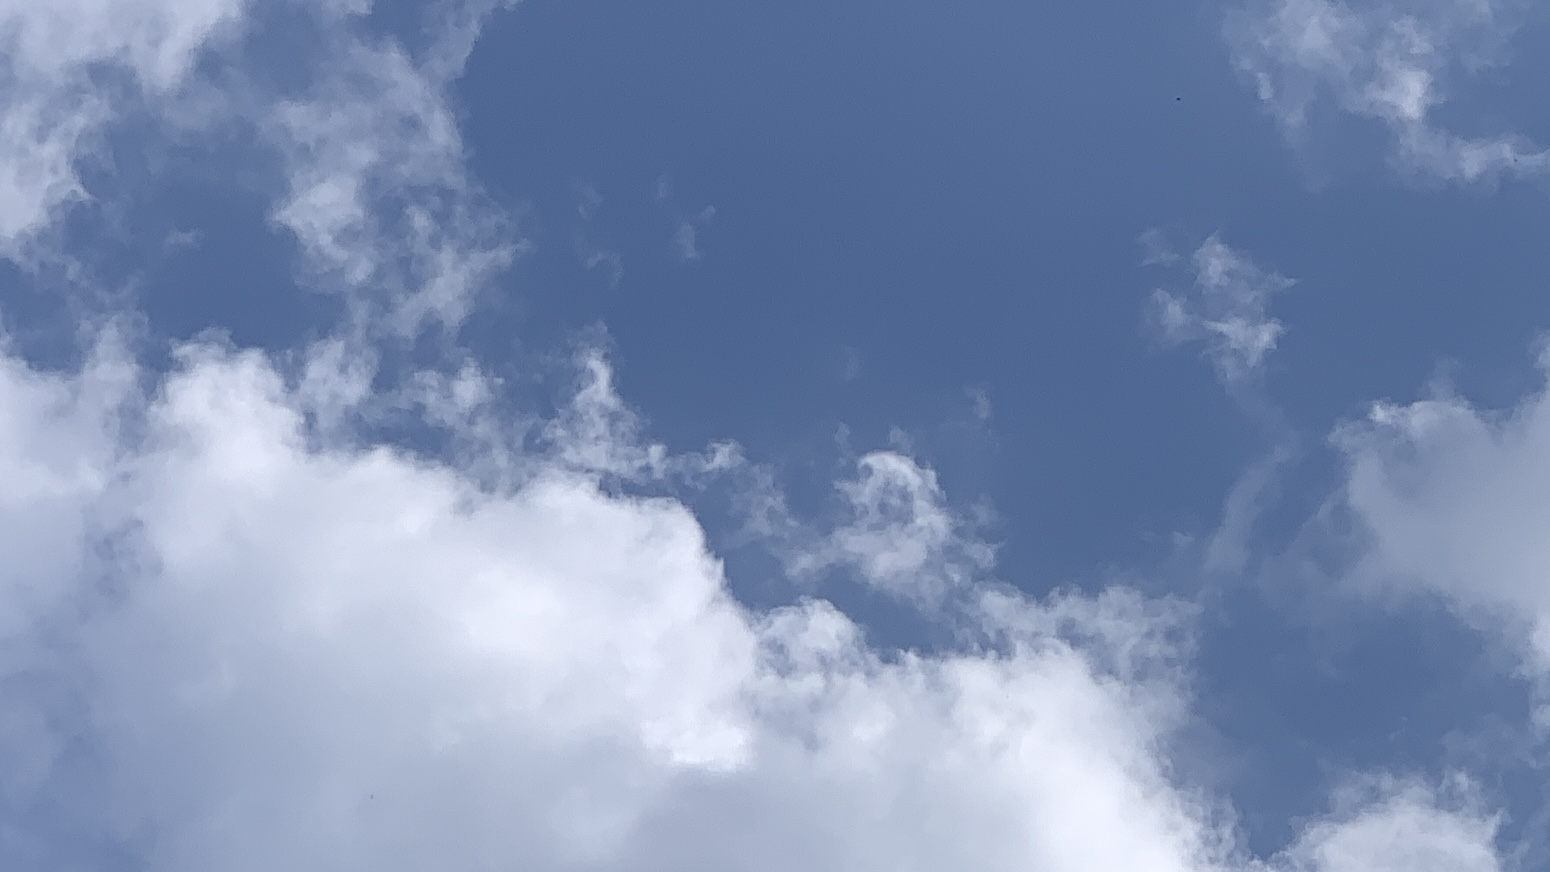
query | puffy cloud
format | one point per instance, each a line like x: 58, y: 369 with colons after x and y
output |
x: 232, y: 643
x: 279, y: 652
x: 1387, y: 63
x: 1227, y: 311
x: 1400, y: 827
x: 1451, y: 501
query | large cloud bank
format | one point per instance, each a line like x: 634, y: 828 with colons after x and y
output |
x: 239, y: 633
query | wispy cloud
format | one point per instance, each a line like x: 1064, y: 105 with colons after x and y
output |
x: 1227, y: 310
x: 610, y: 263
x: 378, y: 194
x: 55, y: 58
x: 685, y: 242
x: 686, y: 231
x: 686, y: 239
x: 898, y: 534
x: 1155, y: 248
x: 595, y: 257
x: 1392, y: 64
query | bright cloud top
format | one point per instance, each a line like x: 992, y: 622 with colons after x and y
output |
x: 271, y: 652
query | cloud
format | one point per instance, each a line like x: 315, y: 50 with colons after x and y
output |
x: 1227, y: 312
x: 1157, y: 251
x: 375, y: 188
x: 280, y: 653
x: 588, y: 201
x: 242, y: 627
x: 378, y: 194
x: 684, y: 242
x: 980, y: 400
x: 686, y: 246
x: 1388, y: 64
x: 898, y: 534
x: 1450, y: 500
x: 610, y: 262
x: 850, y: 364
x: 1400, y: 827
x: 233, y: 645
x: 592, y: 255
x: 56, y: 57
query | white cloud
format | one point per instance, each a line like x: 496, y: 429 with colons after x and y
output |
x: 1400, y: 827
x: 1454, y: 501
x: 237, y: 634
x: 303, y: 656
x: 1388, y: 63
x: 52, y: 57
x: 898, y: 534
x: 1228, y: 311
x: 378, y: 194
x: 275, y: 650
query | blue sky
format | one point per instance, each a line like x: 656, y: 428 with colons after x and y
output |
x: 622, y: 436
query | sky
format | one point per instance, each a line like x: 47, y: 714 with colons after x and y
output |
x: 605, y: 436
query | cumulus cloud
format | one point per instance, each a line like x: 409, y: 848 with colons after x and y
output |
x: 1451, y: 500
x: 233, y: 644
x: 1388, y: 63
x: 1227, y: 310
x: 279, y: 653
x: 1400, y: 827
